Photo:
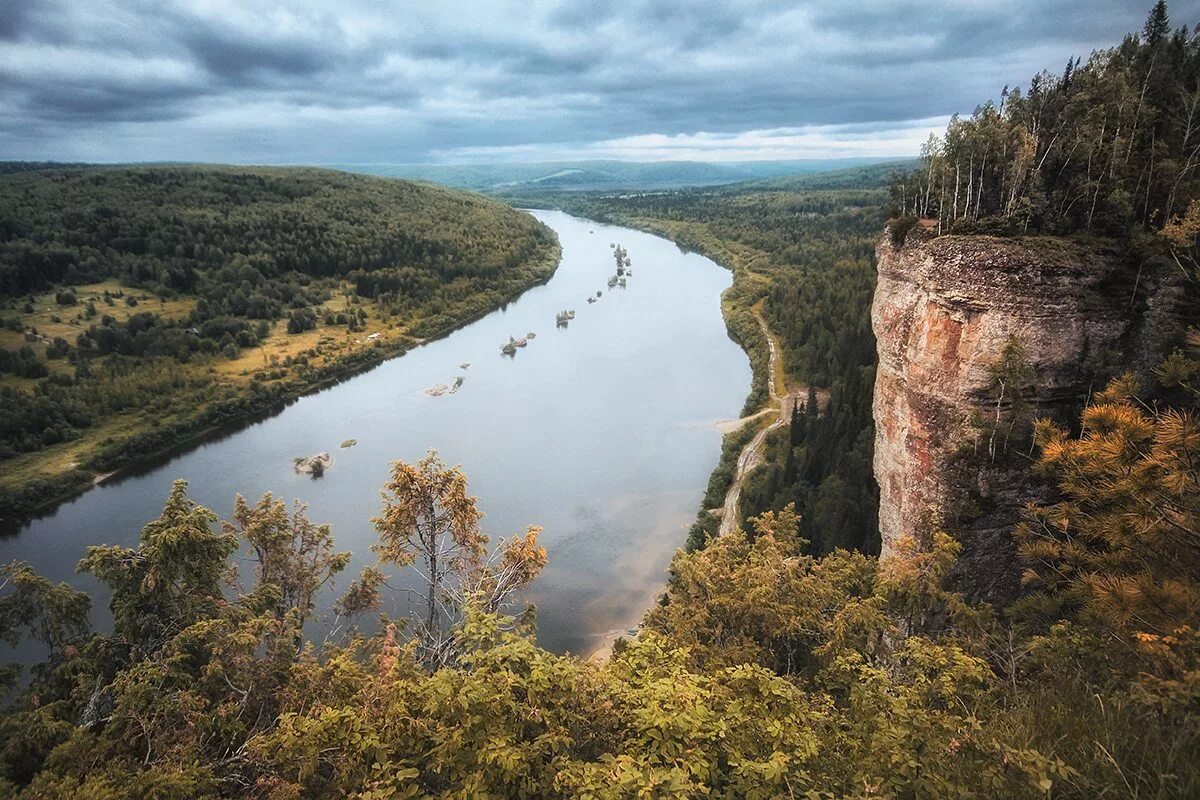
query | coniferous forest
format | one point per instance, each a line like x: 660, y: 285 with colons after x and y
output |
x: 1109, y: 142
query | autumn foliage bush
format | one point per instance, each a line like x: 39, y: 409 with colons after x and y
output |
x: 765, y: 672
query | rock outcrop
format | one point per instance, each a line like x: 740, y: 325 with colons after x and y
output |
x: 945, y: 309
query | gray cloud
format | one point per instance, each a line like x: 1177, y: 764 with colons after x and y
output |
x: 241, y: 60
x: 352, y: 80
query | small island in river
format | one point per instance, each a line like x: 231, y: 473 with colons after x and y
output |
x: 313, y: 465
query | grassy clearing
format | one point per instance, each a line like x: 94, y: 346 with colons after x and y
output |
x: 49, y: 320
x: 284, y: 360
x: 51, y: 462
x: 322, y: 347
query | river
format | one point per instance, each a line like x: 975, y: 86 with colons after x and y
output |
x: 601, y: 432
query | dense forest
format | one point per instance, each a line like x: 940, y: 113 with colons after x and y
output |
x: 195, y: 295
x: 1109, y: 143
x: 802, y: 251
x: 201, y: 230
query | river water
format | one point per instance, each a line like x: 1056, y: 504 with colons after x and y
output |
x: 601, y: 432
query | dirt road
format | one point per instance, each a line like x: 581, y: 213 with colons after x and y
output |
x: 752, y: 455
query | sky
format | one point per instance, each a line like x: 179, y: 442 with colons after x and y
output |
x: 352, y: 81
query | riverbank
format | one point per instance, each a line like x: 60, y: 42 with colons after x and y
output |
x: 550, y: 438
x: 769, y: 398
x: 751, y: 456
x: 37, y: 482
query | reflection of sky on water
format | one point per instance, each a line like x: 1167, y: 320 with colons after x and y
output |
x: 601, y: 432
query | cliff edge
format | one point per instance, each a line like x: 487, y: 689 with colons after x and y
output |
x: 945, y: 312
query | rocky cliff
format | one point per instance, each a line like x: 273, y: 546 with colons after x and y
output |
x: 945, y: 310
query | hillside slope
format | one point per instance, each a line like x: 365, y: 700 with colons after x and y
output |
x: 142, y: 306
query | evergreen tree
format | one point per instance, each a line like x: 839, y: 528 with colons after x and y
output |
x: 1158, y: 24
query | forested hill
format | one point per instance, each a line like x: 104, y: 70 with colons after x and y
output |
x: 173, y: 227
x: 868, y: 176
x: 583, y: 176
x: 141, y: 306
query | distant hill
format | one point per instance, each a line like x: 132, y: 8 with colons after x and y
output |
x: 599, y: 176
x: 858, y: 177
x: 8, y: 167
x: 603, y: 175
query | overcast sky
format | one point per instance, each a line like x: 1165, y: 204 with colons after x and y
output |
x: 312, y: 81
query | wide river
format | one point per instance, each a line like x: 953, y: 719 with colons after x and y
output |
x: 602, y: 433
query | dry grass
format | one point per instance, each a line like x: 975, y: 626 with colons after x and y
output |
x: 321, y: 345
x: 51, y: 320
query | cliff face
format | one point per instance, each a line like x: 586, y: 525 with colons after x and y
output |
x: 944, y: 310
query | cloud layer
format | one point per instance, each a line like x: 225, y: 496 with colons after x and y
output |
x: 349, y: 80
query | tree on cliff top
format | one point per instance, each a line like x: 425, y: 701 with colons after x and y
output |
x: 1158, y: 24
x: 1106, y: 145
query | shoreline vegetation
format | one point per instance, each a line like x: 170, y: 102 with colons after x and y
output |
x: 350, y: 321
x: 213, y: 424
x: 801, y: 252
